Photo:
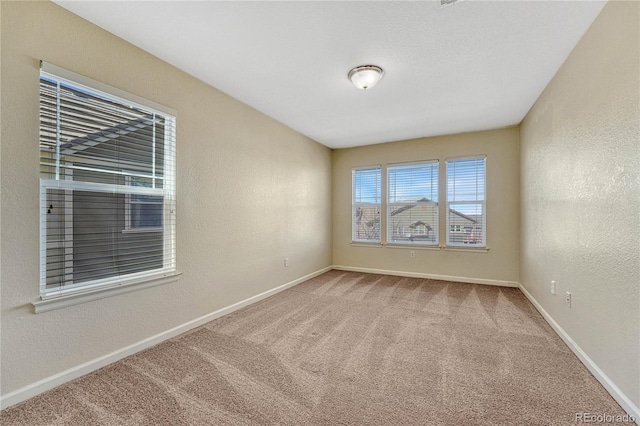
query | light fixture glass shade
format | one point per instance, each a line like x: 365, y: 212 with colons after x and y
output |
x: 365, y: 76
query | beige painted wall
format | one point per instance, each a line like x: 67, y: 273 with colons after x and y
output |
x: 501, y: 261
x: 250, y: 192
x: 580, y: 191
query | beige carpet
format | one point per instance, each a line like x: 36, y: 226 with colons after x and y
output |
x: 344, y: 349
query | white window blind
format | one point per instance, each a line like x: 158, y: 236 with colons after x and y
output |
x: 107, y: 188
x: 366, y: 205
x: 466, y: 202
x: 413, y: 203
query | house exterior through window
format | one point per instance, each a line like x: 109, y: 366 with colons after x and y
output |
x: 413, y: 210
x: 412, y: 203
x: 366, y: 204
x: 466, y: 203
x: 107, y: 188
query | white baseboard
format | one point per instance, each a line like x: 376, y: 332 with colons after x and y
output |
x: 626, y: 404
x: 429, y: 276
x: 56, y: 380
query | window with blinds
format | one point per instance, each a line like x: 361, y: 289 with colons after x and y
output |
x: 412, y: 203
x: 466, y: 202
x: 366, y: 205
x: 107, y: 187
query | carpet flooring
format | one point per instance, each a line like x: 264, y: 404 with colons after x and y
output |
x: 344, y: 348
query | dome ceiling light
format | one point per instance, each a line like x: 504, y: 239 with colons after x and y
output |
x: 366, y: 76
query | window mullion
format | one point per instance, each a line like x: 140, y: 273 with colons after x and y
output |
x: 58, y: 131
x: 153, y: 152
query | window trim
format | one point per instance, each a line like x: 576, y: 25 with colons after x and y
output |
x: 469, y: 247
x: 72, y: 294
x: 64, y: 300
x: 354, y: 204
x: 112, y: 93
x: 435, y: 244
x: 443, y: 205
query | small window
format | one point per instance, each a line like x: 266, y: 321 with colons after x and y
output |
x: 366, y: 205
x: 142, y: 212
x: 412, y: 210
x: 466, y: 202
x: 107, y: 180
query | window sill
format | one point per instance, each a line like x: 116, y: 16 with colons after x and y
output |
x: 363, y: 244
x: 468, y: 249
x: 80, y: 296
x: 412, y: 246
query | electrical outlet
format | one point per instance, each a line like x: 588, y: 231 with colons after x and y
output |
x: 567, y: 299
x: 286, y: 262
x: 553, y: 287
x: 412, y: 254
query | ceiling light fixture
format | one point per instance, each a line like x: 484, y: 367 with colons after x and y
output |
x: 366, y: 76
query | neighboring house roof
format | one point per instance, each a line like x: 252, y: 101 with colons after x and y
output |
x: 405, y: 208
x: 426, y: 200
x: 464, y: 216
x: 421, y: 200
x: 105, y: 135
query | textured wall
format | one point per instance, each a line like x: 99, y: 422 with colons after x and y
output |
x: 499, y: 263
x: 250, y: 192
x: 580, y: 190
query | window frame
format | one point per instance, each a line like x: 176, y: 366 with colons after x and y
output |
x: 449, y: 203
x: 355, y: 204
x: 389, y: 222
x: 113, y: 284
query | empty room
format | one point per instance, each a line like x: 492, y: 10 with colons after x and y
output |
x: 320, y: 212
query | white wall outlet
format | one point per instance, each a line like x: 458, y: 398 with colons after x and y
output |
x: 412, y: 254
x: 553, y: 287
x: 286, y: 262
x: 567, y: 299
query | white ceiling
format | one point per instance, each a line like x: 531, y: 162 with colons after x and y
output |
x: 471, y: 66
